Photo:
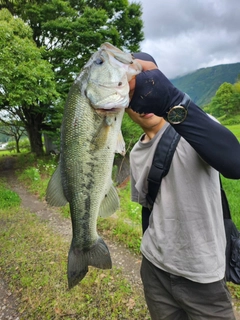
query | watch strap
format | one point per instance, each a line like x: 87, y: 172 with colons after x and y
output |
x: 185, y: 101
x: 183, y: 105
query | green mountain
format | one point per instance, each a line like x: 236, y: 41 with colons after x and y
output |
x: 202, y: 84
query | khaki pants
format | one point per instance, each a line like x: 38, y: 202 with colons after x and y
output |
x: 171, y: 297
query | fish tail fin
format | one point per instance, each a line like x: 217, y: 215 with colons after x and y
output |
x: 78, y: 261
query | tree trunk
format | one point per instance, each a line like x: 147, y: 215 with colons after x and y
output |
x: 35, y: 138
x: 17, y: 145
x: 33, y: 125
x: 50, y: 147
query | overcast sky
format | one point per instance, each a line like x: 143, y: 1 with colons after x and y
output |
x: 186, y: 35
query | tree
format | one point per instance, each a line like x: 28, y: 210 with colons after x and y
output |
x: 12, y: 128
x: 222, y: 103
x: 27, y: 85
x: 236, y: 96
x: 225, y: 105
x: 71, y: 30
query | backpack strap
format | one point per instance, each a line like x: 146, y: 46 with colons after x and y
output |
x: 225, y: 205
x: 161, y: 162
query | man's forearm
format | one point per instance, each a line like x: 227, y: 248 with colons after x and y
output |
x: 213, y: 142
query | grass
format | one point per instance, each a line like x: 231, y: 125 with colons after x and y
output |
x: 235, y: 129
x: 232, y: 189
x: 33, y: 259
x: 6, y: 153
x: 8, y: 198
x: 125, y: 225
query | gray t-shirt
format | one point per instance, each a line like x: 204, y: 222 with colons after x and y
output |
x: 186, y: 235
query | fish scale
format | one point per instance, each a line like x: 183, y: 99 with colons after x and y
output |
x: 90, y: 136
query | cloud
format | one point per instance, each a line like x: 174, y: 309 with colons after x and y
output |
x: 185, y: 35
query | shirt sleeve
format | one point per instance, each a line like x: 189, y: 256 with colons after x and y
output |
x: 214, y: 143
x: 134, y: 193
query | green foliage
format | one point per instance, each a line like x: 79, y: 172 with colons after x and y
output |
x: 131, y: 132
x: 23, y: 145
x: 31, y: 174
x: 67, y: 33
x: 8, y: 198
x: 28, y: 79
x: 230, y: 121
x: 202, y: 84
x: 221, y: 104
x: 232, y: 189
x: 129, y: 210
x: 235, y: 129
x: 125, y: 225
x: 12, y: 128
x: 26, y: 160
x: 225, y: 105
x: 47, y: 167
x: 36, y: 174
x: 27, y: 84
x: 73, y: 30
x: 11, y: 146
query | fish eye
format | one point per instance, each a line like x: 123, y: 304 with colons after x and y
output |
x: 99, y: 61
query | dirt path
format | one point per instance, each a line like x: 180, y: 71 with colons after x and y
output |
x: 121, y: 257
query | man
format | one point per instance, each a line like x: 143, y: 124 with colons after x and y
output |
x: 183, y: 247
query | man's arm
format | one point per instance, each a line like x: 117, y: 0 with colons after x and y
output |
x: 152, y: 92
x: 213, y: 142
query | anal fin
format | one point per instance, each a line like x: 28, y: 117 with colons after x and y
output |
x: 110, y: 203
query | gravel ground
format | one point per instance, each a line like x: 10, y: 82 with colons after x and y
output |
x: 8, y: 304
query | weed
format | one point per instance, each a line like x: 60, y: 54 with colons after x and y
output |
x: 30, y: 174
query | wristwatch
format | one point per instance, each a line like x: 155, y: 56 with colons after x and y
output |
x: 178, y: 114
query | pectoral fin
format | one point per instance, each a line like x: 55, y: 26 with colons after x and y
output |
x: 54, y: 195
x: 110, y: 203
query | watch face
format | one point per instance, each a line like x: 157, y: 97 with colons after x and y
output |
x: 177, y: 115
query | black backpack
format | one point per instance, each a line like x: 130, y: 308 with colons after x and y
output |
x: 160, y: 166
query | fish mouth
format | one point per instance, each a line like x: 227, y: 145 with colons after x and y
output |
x: 108, y: 104
x: 109, y: 111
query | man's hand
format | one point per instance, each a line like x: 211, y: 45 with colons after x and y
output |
x: 152, y: 92
x: 146, y: 65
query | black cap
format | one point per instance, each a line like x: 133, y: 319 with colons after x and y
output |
x: 144, y: 56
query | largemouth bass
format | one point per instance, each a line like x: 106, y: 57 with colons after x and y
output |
x: 90, y: 135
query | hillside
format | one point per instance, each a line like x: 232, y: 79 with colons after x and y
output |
x: 202, y: 84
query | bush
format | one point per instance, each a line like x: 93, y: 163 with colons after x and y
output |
x: 11, y: 146
x: 24, y: 144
